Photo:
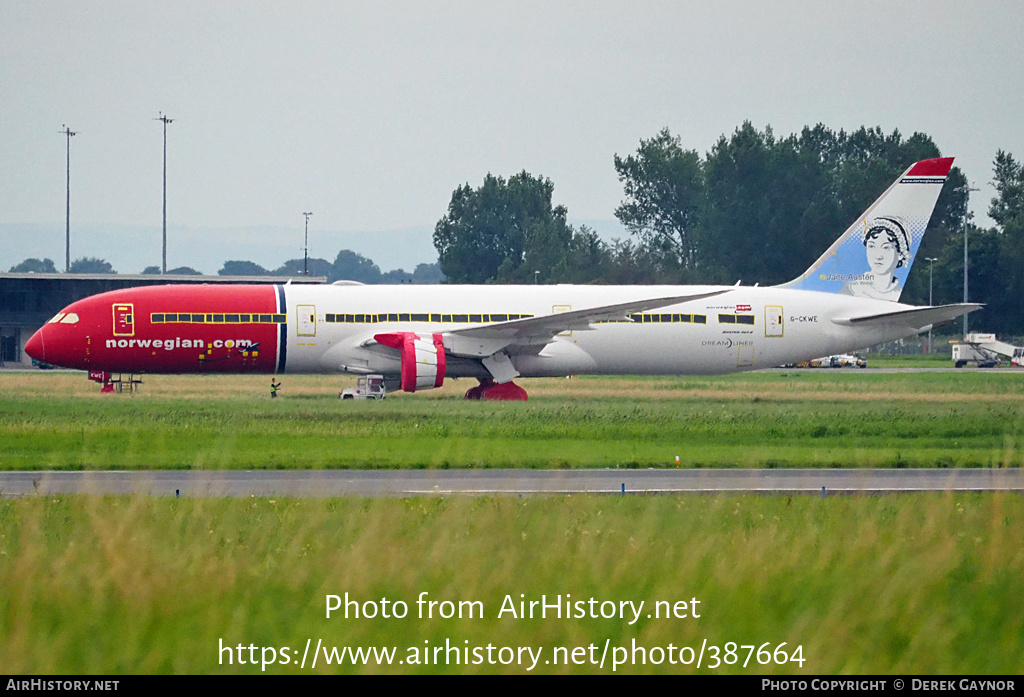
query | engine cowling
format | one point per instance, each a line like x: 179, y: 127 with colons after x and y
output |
x: 423, y: 359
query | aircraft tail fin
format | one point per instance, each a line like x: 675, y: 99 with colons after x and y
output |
x: 873, y: 257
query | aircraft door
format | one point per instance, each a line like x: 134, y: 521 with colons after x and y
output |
x: 124, y: 319
x: 774, y: 322
x: 305, y: 320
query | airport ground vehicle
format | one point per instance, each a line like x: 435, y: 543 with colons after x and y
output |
x: 845, y: 360
x: 842, y: 360
x: 367, y: 387
x: 985, y: 351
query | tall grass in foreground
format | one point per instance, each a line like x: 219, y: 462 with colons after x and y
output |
x: 894, y: 584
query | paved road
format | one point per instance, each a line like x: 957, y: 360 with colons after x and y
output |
x: 869, y: 370
x: 322, y: 483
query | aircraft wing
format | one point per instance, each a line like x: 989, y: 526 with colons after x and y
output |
x: 491, y: 338
x: 917, y: 317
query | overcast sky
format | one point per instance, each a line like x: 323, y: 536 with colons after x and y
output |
x: 370, y: 114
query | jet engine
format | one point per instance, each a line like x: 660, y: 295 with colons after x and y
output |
x: 423, y: 359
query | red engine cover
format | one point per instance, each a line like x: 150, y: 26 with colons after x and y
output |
x: 423, y: 358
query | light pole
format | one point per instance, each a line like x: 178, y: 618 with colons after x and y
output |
x: 67, y: 213
x: 166, y: 121
x: 967, y: 189
x: 305, y: 246
x: 931, y: 262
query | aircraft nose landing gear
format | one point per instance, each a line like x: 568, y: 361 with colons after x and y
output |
x: 499, y: 392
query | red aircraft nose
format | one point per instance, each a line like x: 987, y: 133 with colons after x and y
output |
x: 36, y: 347
x: 58, y: 344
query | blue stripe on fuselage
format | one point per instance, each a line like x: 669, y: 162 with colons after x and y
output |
x: 282, y: 348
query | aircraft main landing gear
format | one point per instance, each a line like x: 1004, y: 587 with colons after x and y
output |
x: 498, y: 392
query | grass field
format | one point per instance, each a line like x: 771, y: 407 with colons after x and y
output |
x: 809, y: 418
x: 941, y: 359
x: 899, y: 584
x: 919, y: 584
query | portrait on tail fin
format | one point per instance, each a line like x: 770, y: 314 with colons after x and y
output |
x: 887, y: 246
x: 872, y: 259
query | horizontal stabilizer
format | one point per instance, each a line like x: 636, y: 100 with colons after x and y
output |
x: 915, y: 318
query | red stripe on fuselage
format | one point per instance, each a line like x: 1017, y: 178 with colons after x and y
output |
x: 169, y: 347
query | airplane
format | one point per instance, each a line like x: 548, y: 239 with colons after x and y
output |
x: 417, y: 336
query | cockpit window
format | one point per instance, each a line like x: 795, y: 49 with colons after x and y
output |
x: 56, y: 318
x: 70, y: 318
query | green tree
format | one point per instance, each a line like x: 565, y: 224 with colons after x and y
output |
x: 751, y: 212
x: 91, y: 265
x: 986, y: 285
x: 799, y: 194
x: 396, y: 277
x: 294, y: 267
x: 758, y: 208
x: 185, y: 271
x: 504, y: 230
x: 1009, y: 182
x: 34, y: 266
x: 587, y: 259
x: 663, y: 184
x: 350, y: 266
x: 242, y: 268
x: 631, y: 263
x: 546, y: 246
x: 1010, y: 274
x: 1006, y: 309
x: 427, y: 274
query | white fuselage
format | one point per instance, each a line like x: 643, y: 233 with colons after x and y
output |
x: 331, y: 328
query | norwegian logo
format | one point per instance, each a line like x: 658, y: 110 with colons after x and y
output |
x: 178, y: 342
